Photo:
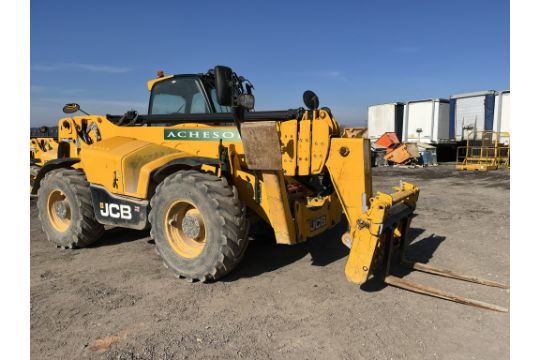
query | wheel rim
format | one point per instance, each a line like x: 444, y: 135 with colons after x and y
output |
x: 59, y: 210
x: 185, y: 229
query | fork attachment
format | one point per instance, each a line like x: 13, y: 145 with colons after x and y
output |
x: 379, y: 224
x: 385, y: 223
x: 426, y: 290
x: 380, y: 240
x: 450, y: 274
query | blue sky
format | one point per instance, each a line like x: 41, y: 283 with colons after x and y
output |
x: 351, y: 53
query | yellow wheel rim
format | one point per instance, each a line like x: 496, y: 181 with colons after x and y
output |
x: 59, y: 210
x: 185, y: 229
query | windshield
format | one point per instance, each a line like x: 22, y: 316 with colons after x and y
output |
x: 178, y: 96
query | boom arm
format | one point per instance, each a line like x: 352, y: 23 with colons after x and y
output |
x: 311, y: 146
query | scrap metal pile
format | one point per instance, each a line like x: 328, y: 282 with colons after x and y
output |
x: 388, y: 150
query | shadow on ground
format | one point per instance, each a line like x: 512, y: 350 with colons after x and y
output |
x: 117, y: 235
x: 421, y: 251
x: 263, y: 255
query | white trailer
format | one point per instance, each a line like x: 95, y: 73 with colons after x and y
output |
x: 385, y: 118
x: 427, y: 121
x: 502, y: 112
x: 471, y: 113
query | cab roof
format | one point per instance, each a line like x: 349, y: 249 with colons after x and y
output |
x: 152, y: 82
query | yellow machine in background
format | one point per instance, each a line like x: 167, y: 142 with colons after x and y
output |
x: 43, y: 143
x: 43, y: 147
x: 484, y: 150
x: 202, y: 164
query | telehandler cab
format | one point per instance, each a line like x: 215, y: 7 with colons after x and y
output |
x: 201, y: 165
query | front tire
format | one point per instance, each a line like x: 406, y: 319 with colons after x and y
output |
x: 199, y: 225
x: 65, y: 209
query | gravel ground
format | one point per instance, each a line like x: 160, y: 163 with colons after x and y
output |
x: 115, y: 300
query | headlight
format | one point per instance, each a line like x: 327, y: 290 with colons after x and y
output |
x: 247, y: 101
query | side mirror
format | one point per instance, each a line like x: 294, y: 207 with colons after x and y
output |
x: 71, y: 108
x: 223, y: 76
x: 311, y: 100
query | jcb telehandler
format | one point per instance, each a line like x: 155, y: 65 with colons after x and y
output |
x: 43, y: 145
x: 201, y: 165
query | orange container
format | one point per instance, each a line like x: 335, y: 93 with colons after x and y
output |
x: 388, y: 140
x: 399, y: 155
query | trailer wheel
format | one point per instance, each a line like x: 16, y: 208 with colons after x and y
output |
x: 65, y: 209
x: 199, y: 225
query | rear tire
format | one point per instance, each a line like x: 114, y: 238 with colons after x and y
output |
x: 65, y: 209
x: 199, y: 225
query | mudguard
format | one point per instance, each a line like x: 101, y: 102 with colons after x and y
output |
x: 51, y: 165
x: 188, y: 161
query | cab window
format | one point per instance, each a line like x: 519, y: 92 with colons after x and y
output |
x: 178, y: 96
x: 219, y: 108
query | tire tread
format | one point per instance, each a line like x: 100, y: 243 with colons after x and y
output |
x: 230, y: 210
x: 87, y: 230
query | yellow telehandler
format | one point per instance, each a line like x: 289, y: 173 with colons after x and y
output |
x: 43, y: 145
x: 202, y: 165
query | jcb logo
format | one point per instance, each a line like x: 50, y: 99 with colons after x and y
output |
x: 115, y: 211
x: 317, y: 223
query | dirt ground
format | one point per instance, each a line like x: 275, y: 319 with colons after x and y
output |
x: 115, y: 300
